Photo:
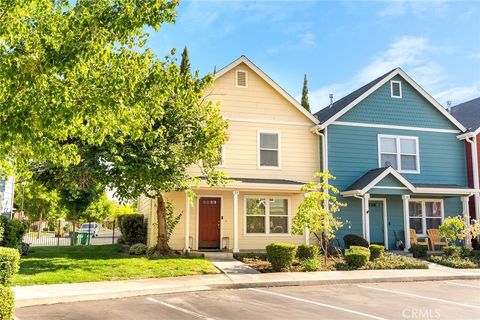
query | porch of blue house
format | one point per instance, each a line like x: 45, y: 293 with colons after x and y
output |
x: 382, y: 206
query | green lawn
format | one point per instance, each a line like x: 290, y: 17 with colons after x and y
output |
x: 97, y: 263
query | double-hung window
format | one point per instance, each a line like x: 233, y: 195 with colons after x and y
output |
x: 425, y: 214
x: 268, y: 149
x: 266, y: 215
x: 399, y: 152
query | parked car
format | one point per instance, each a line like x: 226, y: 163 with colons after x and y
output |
x: 90, y: 227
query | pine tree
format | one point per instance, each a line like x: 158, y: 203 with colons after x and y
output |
x: 305, y: 102
x: 185, y: 64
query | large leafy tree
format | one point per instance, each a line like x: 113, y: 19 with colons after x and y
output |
x: 187, y: 131
x: 73, y: 71
x: 38, y: 202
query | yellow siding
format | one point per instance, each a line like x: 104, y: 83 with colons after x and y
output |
x: 260, y: 107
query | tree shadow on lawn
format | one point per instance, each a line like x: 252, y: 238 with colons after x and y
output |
x: 81, y: 258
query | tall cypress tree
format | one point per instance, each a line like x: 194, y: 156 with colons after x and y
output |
x: 305, y: 102
x: 185, y: 64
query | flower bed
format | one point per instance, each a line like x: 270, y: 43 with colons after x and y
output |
x: 385, y: 261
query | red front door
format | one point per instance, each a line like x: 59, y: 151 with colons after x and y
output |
x: 209, y: 223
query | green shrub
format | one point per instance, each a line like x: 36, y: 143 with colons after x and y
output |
x: 13, y: 232
x: 133, y: 228
x: 454, y: 262
x: 452, y: 251
x: 281, y: 255
x: 451, y: 229
x: 354, y: 240
x: 391, y: 261
x: 418, y: 251
x: 137, y: 249
x: 9, y: 264
x: 310, y: 264
x: 6, y: 303
x: 306, y: 252
x: 357, y: 256
x: 376, y: 251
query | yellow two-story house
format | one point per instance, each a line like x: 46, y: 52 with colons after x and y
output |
x: 272, y: 151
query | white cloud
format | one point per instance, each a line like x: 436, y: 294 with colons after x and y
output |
x: 412, y: 54
x: 475, y: 55
x: 408, y: 52
x: 418, y: 8
x: 458, y: 94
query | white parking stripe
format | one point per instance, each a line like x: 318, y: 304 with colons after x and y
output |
x: 192, y: 313
x: 419, y: 296
x: 320, y: 304
x: 463, y: 285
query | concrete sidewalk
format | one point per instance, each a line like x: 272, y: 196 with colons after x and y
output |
x: 58, y: 293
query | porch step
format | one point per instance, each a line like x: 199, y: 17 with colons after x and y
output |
x: 218, y: 256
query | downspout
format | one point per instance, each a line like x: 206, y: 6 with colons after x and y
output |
x: 323, y: 140
x: 476, y: 183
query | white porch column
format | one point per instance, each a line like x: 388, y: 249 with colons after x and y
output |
x: 187, y: 224
x: 406, y: 220
x: 235, y: 221
x: 306, y: 235
x: 366, y: 216
x: 466, y: 218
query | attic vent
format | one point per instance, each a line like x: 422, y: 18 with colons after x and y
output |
x: 396, y: 89
x: 241, y: 80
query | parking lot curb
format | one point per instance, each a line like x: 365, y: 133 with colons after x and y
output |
x: 237, y: 284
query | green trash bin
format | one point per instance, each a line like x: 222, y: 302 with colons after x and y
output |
x: 73, y: 238
x: 83, y: 238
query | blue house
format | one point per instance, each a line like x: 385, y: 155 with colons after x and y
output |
x: 397, y: 160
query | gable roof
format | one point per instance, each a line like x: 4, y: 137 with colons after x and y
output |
x: 374, y: 176
x: 269, y: 80
x: 342, y: 106
x: 468, y: 113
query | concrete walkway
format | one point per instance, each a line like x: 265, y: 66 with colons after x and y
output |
x: 57, y: 293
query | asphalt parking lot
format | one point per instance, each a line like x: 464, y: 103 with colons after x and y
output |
x: 403, y: 300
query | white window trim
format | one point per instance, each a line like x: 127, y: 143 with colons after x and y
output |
x: 399, y: 86
x: 279, y: 149
x: 236, y: 78
x: 223, y: 158
x: 424, y: 213
x: 398, y: 153
x: 267, y: 216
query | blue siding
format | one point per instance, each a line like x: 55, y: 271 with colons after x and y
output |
x: 352, y: 151
x: 390, y: 181
x: 411, y: 110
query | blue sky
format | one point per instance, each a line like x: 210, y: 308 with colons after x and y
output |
x: 339, y: 45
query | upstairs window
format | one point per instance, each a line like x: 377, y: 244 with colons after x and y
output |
x: 241, y: 79
x: 399, y: 152
x: 395, y: 89
x: 268, y: 149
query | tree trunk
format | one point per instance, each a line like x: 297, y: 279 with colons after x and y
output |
x: 162, y: 237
